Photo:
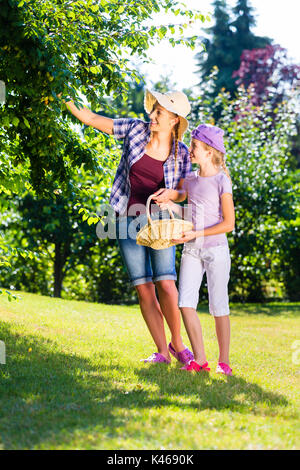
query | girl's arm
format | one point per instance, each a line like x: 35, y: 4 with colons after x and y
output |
x: 89, y: 118
x: 227, y: 225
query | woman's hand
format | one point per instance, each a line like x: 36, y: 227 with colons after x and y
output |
x: 164, y: 195
x: 186, y: 237
x: 65, y: 101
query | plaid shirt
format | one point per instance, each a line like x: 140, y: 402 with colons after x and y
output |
x: 136, y: 135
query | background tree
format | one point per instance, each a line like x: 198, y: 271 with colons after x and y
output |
x: 271, y: 76
x: 218, y: 47
x: 59, y: 230
x: 226, y: 41
x: 269, y: 72
x: 243, y: 23
x: 63, y: 225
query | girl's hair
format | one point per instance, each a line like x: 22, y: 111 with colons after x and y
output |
x: 175, y: 134
x: 218, y: 159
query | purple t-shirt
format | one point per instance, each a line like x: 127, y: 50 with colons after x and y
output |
x: 204, y: 199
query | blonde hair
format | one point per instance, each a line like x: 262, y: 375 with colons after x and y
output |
x: 175, y: 134
x: 218, y: 159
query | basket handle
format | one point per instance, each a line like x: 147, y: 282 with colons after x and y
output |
x: 148, y: 209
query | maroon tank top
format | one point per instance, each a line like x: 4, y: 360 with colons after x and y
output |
x: 146, y: 177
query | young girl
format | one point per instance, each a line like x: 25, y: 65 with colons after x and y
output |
x: 209, y: 193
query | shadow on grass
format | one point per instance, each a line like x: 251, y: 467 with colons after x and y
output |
x: 210, y: 391
x: 50, y: 396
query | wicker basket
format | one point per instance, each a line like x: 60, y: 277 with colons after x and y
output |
x: 158, y: 234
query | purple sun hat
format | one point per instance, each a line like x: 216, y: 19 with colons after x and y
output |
x: 210, y: 135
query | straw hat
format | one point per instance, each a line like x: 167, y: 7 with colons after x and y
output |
x: 174, y: 101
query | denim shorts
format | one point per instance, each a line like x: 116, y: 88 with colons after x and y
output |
x: 143, y: 264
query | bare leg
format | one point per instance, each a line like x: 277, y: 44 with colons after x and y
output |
x: 193, y: 327
x: 168, y: 300
x: 223, y: 335
x: 153, y: 317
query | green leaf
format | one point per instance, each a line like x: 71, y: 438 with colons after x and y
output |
x: 26, y: 122
x: 6, y: 121
x: 15, y: 121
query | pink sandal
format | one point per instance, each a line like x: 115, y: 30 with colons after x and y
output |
x: 223, y: 368
x: 192, y: 365
x: 156, y: 357
x: 184, y: 356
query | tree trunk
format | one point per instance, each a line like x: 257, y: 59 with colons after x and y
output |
x: 59, y: 262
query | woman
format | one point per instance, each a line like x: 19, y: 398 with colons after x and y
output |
x: 154, y: 160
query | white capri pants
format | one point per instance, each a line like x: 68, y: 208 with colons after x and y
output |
x: 215, y: 261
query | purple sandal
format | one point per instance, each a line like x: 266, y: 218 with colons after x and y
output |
x: 156, y: 357
x: 184, y: 356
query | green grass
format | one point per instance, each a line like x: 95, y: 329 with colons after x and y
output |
x: 73, y: 380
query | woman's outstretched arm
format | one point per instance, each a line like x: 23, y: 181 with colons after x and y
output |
x: 89, y: 118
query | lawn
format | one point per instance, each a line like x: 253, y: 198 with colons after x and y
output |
x: 73, y: 380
